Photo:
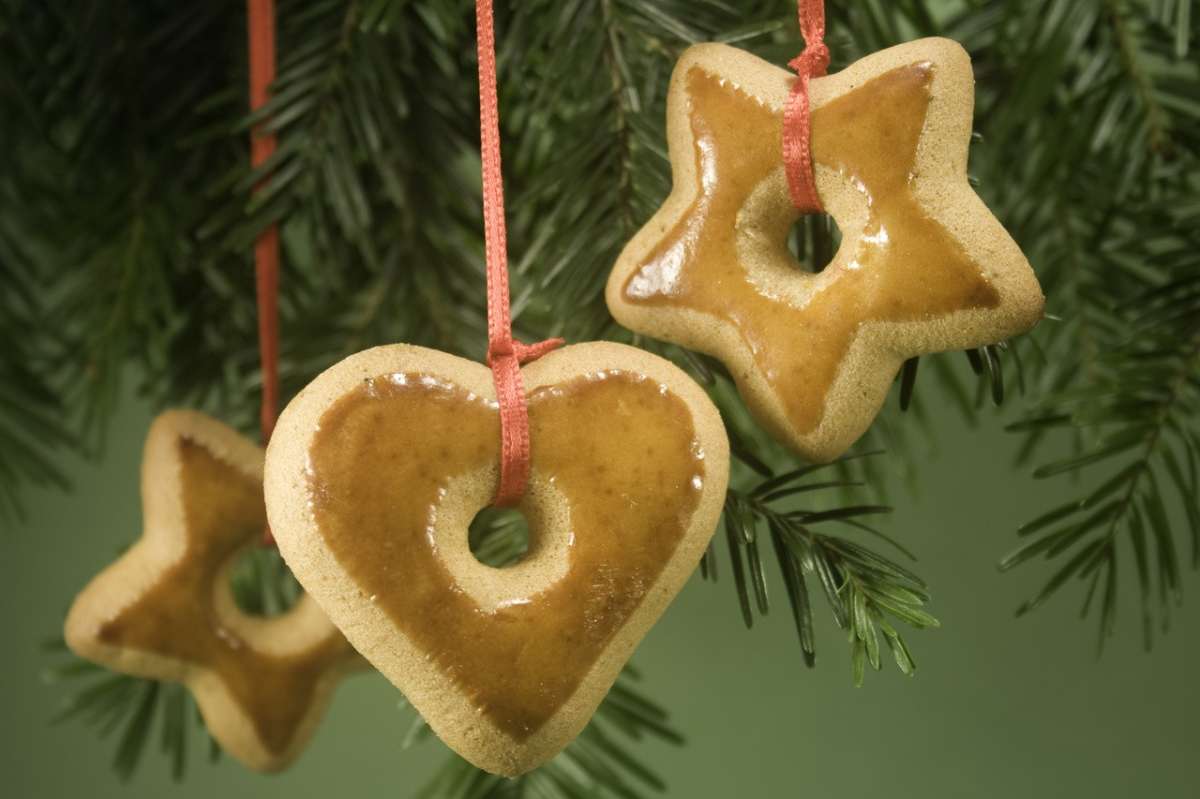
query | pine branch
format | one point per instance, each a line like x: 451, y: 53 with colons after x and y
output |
x: 1116, y: 144
x: 866, y: 591
x: 987, y: 364
x: 104, y: 185
x: 1143, y: 85
x: 1140, y: 417
x: 33, y: 432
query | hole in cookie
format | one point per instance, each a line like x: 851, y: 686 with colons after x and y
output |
x: 813, y: 240
x: 262, y: 584
x: 499, y: 537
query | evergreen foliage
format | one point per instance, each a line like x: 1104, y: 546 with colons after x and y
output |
x: 129, y: 209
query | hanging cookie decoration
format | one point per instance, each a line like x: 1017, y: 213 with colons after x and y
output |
x: 618, y: 461
x: 379, y: 466
x: 165, y: 609
x: 882, y: 145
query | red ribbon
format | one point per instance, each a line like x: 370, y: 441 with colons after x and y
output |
x: 505, y: 354
x: 261, y: 26
x: 797, y: 132
x: 261, y: 19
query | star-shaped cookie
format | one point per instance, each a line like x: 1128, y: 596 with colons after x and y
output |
x: 923, y: 265
x: 165, y: 609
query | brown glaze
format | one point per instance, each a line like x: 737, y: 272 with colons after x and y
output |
x: 177, y: 617
x: 904, y: 266
x: 619, y: 448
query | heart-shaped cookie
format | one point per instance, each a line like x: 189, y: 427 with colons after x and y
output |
x: 377, y: 468
x: 923, y: 265
x: 165, y: 609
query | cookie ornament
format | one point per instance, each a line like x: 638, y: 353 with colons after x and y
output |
x: 617, y: 460
x: 882, y: 146
x: 377, y: 469
x: 165, y: 609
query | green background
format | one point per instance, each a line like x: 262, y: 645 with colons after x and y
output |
x: 999, y: 707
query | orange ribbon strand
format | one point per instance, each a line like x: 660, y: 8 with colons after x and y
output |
x: 261, y: 18
x: 505, y: 354
x: 261, y: 26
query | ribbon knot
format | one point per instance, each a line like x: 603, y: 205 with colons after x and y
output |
x: 797, y: 133
x: 813, y: 62
x: 524, y: 353
x: 498, y: 350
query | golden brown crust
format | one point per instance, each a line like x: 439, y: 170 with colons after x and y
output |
x: 443, y: 705
x: 879, y: 348
x: 160, y: 549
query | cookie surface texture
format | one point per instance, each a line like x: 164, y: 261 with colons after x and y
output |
x: 923, y: 265
x: 377, y: 469
x: 165, y: 610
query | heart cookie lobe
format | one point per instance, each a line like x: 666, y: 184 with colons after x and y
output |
x: 923, y: 265
x: 165, y: 609
x: 377, y: 469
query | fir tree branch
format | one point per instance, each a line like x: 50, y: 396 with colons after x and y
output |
x: 33, y: 432
x: 1131, y: 58
x: 866, y: 591
x: 1116, y: 256
x: 1153, y: 420
x: 615, y: 60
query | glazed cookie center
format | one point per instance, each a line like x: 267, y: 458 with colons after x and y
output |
x: 547, y: 557
x: 901, y: 267
x: 177, y: 617
x: 617, y: 456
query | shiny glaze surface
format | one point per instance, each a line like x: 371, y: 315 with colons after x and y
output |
x: 618, y: 448
x: 904, y: 266
x: 177, y: 617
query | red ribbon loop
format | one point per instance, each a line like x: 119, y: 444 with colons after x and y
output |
x: 797, y: 132
x: 505, y: 354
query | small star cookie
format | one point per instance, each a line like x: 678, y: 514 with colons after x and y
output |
x: 923, y: 265
x: 165, y: 609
